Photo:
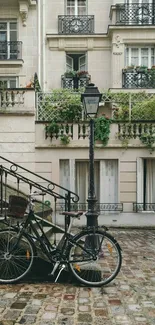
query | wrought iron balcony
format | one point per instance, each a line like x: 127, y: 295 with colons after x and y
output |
x: 76, y: 24
x: 11, y: 50
x: 74, y: 82
x: 138, y: 207
x: 135, y: 14
x: 138, y: 79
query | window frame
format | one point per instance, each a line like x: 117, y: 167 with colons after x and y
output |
x: 76, y: 7
x: 128, y: 57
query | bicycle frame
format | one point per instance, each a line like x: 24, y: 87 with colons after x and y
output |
x: 54, y: 254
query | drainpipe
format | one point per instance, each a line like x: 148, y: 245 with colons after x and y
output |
x: 44, y: 36
x: 39, y: 42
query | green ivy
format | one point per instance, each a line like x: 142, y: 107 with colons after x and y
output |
x: 148, y: 140
x: 65, y: 139
x: 102, y: 129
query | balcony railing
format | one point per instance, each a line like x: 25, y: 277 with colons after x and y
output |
x: 135, y: 129
x: 74, y: 82
x: 138, y: 79
x: 139, y: 207
x: 76, y: 24
x: 100, y: 207
x: 11, y: 50
x: 135, y: 14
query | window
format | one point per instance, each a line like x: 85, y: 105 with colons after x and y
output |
x: 146, y: 184
x: 74, y: 176
x: 76, y: 62
x: 76, y: 7
x: 8, y: 82
x: 8, y: 40
x: 140, y: 56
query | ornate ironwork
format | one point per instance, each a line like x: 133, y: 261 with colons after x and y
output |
x: 135, y: 14
x: 100, y: 207
x: 75, y: 82
x: 138, y: 79
x: 17, y: 180
x: 138, y: 207
x: 11, y: 50
x: 76, y: 24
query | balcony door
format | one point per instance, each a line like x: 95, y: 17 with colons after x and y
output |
x: 8, y: 40
x: 76, y: 62
x: 146, y: 184
x: 76, y: 7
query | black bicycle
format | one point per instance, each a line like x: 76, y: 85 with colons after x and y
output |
x: 93, y: 256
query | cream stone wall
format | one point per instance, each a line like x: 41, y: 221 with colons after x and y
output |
x: 27, y: 34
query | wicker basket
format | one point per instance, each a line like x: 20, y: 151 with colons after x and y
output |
x: 17, y: 206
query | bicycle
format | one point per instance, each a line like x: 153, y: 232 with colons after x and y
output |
x: 93, y: 256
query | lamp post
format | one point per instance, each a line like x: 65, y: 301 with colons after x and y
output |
x: 90, y: 99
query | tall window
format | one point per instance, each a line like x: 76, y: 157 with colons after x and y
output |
x: 8, y: 35
x: 76, y: 7
x: 140, y: 56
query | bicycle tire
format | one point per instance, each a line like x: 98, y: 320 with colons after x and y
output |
x: 16, y: 265
x: 108, y: 260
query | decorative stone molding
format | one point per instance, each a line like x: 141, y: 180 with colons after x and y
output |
x: 24, y: 8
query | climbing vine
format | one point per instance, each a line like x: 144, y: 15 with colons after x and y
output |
x: 102, y: 129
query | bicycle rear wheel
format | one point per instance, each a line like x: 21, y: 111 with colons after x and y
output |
x: 16, y: 256
x: 96, y: 259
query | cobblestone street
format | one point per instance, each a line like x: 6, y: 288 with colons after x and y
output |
x: 127, y: 300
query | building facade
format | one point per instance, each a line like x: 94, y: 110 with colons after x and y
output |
x: 105, y: 42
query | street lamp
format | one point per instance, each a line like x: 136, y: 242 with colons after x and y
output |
x: 90, y: 100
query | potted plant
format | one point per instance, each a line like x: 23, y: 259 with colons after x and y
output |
x: 141, y: 68
x: 130, y: 68
x: 70, y: 74
x: 82, y: 73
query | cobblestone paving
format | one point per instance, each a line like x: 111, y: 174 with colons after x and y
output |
x: 127, y: 300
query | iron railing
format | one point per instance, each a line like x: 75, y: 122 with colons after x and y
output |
x: 135, y: 14
x: 138, y: 79
x: 17, y: 180
x: 11, y: 50
x: 139, y: 207
x: 74, y: 82
x: 76, y: 24
x: 100, y: 207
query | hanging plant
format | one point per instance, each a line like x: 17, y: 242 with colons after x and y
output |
x: 65, y: 139
x: 102, y: 129
x: 148, y: 140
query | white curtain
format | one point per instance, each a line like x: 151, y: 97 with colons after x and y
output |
x: 82, y: 177
x: 150, y: 181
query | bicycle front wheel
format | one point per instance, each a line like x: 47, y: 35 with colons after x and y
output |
x: 95, y: 259
x: 16, y: 256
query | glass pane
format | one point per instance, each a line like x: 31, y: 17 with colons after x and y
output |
x: 13, y: 83
x: 70, y: 3
x: 3, y: 36
x: 134, y: 56
x: 3, y: 84
x: 13, y: 26
x: 70, y: 11
x: 152, y: 57
x: 3, y: 26
x: 81, y: 11
x: 144, y: 56
x: 81, y: 2
x: 13, y: 36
